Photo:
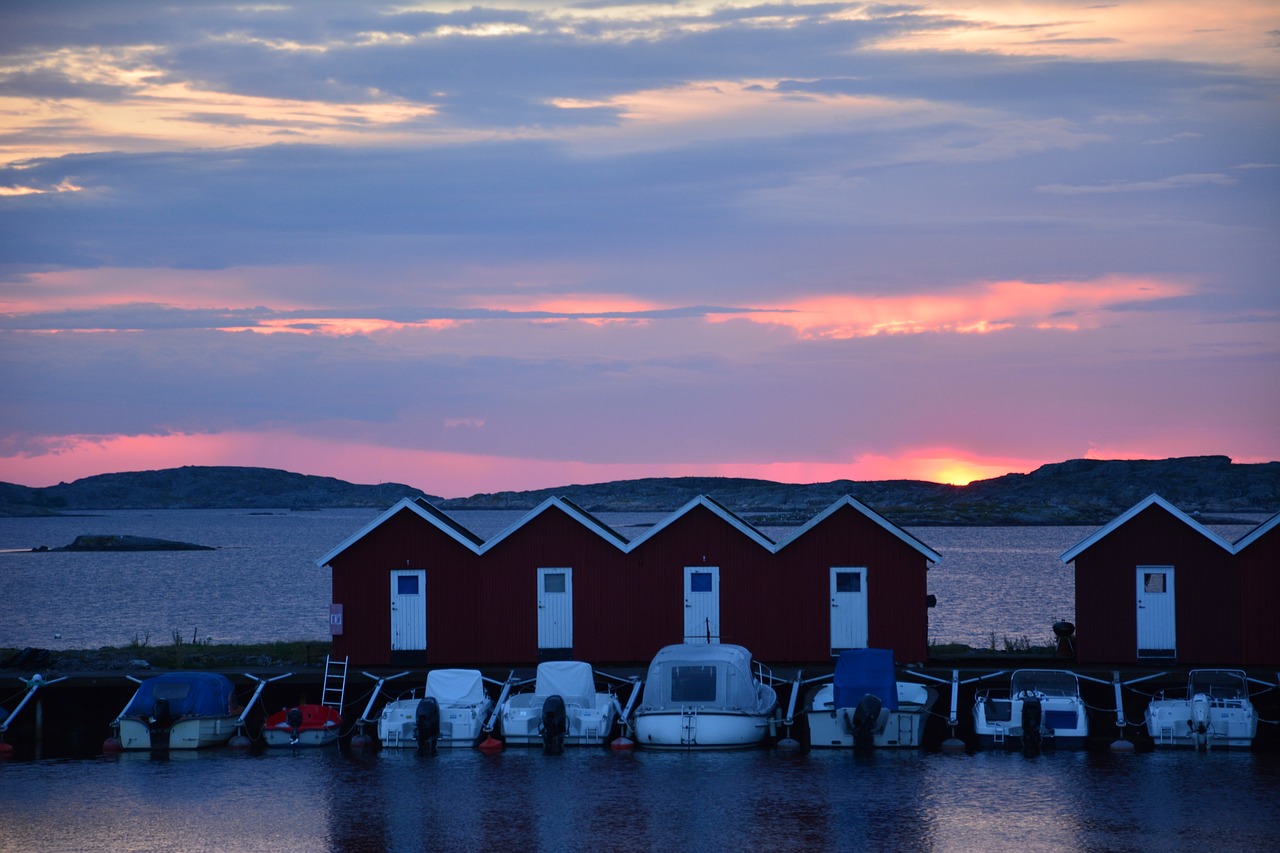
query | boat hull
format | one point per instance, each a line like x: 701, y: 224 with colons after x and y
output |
x: 319, y: 727
x: 997, y: 723
x: 185, y: 733
x: 1226, y: 723
x: 829, y: 727
x: 700, y: 730
x: 586, y: 724
x: 460, y: 725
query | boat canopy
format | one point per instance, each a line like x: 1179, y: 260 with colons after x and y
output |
x: 456, y: 686
x: 190, y: 694
x: 1050, y: 682
x: 863, y: 671
x: 564, y: 678
x: 706, y: 675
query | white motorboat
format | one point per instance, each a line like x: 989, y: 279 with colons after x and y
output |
x: 1042, y: 708
x: 450, y: 713
x: 864, y: 706
x: 564, y: 708
x: 1216, y: 712
x: 704, y: 696
x: 179, y: 710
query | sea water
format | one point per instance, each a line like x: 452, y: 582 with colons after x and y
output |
x: 995, y: 586
x: 596, y: 800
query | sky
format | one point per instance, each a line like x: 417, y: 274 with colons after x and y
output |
x: 487, y: 246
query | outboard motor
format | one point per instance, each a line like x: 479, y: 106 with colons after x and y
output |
x: 427, y: 717
x: 1032, y: 714
x: 1199, y: 722
x: 863, y: 723
x: 294, y: 718
x: 555, y: 722
x: 160, y: 724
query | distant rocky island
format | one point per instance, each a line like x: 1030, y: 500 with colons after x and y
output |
x: 1079, y: 491
x: 113, y: 542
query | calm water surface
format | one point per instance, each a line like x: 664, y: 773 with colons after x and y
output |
x: 262, y: 583
x: 595, y: 800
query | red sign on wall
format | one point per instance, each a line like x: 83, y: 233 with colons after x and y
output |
x: 335, y: 619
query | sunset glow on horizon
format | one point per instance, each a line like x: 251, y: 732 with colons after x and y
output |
x: 522, y: 245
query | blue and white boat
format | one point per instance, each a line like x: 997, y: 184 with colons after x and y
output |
x: 704, y: 696
x: 1041, y: 708
x: 179, y: 710
x: 865, y: 706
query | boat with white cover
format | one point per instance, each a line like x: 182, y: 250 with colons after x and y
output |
x: 864, y: 705
x: 704, y: 696
x: 563, y: 709
x: 1042, y: 707
x: 179, y: 710
x: 450, y: 713
x: 1216, y: 712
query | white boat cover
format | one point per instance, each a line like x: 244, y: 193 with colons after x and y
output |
x: 564, y: 678
x: 455, y: 686
x: 709, y: 675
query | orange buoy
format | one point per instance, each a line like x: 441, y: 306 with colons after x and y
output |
x: 622, y: 743
x: 112, y: 745
x: 953, y: 744
x: 240, y: 742
x: 490, y: 744
x: 6, y: 749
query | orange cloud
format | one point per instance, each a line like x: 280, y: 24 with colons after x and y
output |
x: 976, y: 309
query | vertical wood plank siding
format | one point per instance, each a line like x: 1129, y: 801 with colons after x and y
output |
x: 482, y: 609
x: 1259, y: 566
x: 1207, y: 592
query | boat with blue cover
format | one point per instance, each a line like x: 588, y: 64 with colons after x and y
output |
x: 865, y: 706
x: 179, y: 710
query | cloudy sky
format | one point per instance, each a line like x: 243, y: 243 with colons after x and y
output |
x: 481, y: 246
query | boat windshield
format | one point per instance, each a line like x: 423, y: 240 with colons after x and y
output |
x: 1219, y: 684
x: 1050, y: 682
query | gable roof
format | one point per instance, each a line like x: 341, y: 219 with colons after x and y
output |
x: 850, y: 501
x: 1120, y: 520
x: 703, y: 501
x: 571, y: 509
x: 419, y: 507
x: 1257, y: 533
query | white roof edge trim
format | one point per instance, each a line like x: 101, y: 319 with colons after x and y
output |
x: 849, y: 500
x: 608, y: 534
x: 1128, y: 515
x: 702, y: 500
x: 1256, y: 533
x: 403, y: 503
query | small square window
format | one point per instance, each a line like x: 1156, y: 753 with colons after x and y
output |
x: 553, y: 582
x: 700, y: 582
x: 407, y: 585
x: 1153, y: 581
x: 848, y: 581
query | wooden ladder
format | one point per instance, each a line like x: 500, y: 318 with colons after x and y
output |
x: 335, y: 683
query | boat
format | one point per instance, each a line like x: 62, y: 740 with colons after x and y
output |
x: 179, y: 710
x: 450, y: 713
x: 1216, y: 712
x: 704, y: 696
x: 1042, y: 708
x: 865, y: 706
x: 563, y: 709
x: 303, y: 725
x: 310, y: 724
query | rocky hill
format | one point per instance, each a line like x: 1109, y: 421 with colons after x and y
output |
x: 1080, y: 491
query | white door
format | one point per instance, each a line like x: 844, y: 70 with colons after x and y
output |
x: 702, y: 604
x: 408, y: 609
x: 1157, y: 634
x: 848, y: 608
x: 555, y: 608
